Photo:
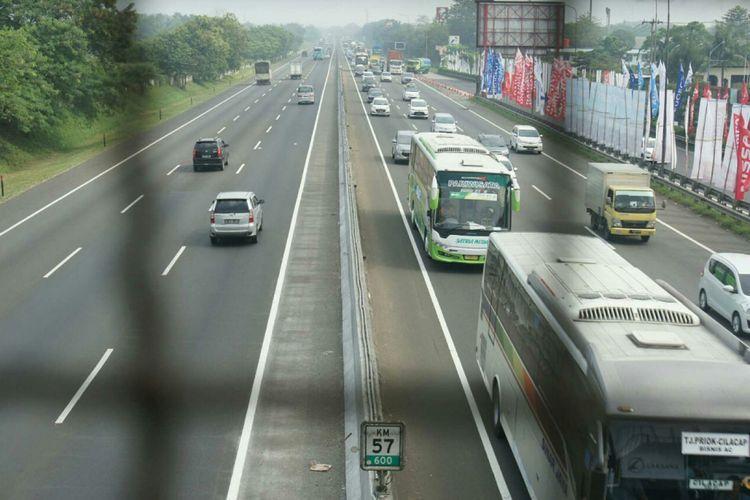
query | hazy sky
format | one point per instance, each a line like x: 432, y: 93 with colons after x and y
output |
x: 338, y: 12
x: 318, y: 12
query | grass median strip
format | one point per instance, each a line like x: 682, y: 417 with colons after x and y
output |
x: 26, y: 162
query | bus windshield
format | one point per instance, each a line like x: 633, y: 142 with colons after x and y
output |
x: 470, y: 201
x: 647, y: 462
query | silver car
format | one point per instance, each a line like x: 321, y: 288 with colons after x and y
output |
x: 235, y: 214
x: 410, y: 92
x: 305, y: 94
x: 401, y: 145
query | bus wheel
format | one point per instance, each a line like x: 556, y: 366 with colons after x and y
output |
x: 497, y: 427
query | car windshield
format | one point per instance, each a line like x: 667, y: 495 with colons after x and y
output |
x: 631, y: 201
x: 411, y: 86
x: 471, y: 201
x: 418, y: 103
x: 528, y: 133
x: 745, y: 284
x: 375, y: 91
x: 380, y: 101
x: 304, y: 89
x: 494, y: 141
x: 231, y: 207
x: 444, y: 119
x: 385, y: 73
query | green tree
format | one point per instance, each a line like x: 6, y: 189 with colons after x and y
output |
x: 585, y: 33
x: 25, y: 97
x: 688, y: 44
x: 606, y: 55
x: 734, y: 31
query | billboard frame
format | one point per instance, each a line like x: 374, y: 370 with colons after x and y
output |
x: 534, y: 40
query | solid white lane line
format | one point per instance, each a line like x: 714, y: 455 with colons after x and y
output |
x: 541, y: 192
x: 240, y: 169
x: 222, y: 129
x: 173, y: 169
x: 579, y: 174
x: 594, y: 234
x: 277, y: 117
x: 692, y: 240
x: 481, y: 430
x: 269, y: 128
x: 131, y: 204
x: 62, y: 262
x: 283, y: 108
x: 257, y: 145
x: 236, y: 118
x: 173, y: 261
x: 121, y: 162
x: 247, y: 108
x: 247, y: 427
x: 83, y: 387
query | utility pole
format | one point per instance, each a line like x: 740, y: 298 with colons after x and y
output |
x: 591, y: 9
x: 653, y: 24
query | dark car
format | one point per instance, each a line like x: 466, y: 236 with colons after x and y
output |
x: 368, y: 82
x: 494, y: 143
x: 373, y: 93
x: 304, y: 53
x: 210, y: 153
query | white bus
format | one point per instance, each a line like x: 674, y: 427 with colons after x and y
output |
x: 607, y: 384
x: 458, y: 194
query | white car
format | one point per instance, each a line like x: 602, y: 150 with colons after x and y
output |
x: 235, y: 214
x: 444, y: 122
x: 386, y: 77
x: 407, y: 77
x: 359, y: 70
x: 367, y: 73
x: 526, y: 138
x: 380, y: 106
x: 725, y: 287
x: 647, y: 148
x: 418, y: 109
x: 410, y: 92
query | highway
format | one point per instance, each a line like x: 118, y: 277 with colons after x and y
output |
x: 140, y: 361
x: 420, y: 317
x: 129, y: 345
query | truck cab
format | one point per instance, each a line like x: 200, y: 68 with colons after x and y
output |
x: 620, y: 200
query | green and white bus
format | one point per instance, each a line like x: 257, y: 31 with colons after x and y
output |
x: 458, y: 194
x: 605, y: 383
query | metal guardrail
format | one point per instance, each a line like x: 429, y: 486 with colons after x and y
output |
x: 713, y: 197
x: 361, y: 380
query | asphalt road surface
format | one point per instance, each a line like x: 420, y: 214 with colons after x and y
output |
x: 128, y: 344
x: 421, y: 371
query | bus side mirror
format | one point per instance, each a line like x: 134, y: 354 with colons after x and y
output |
x: 429, y: 213
x: 597, y: 485
x: 516, y: 200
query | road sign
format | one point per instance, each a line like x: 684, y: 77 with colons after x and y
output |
x: 454, y: 40
x: 382, y: 446
x: 399, y: 46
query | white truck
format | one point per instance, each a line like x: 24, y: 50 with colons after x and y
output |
x: 620, y: 200
x: 295, y: 71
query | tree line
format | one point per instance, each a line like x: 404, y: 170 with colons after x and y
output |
x: 82, y: 57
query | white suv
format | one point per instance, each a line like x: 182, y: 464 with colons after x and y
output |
x: 725, y: 287
x: 418, y: 109
x: 526, y: 138
x: 235, y: 214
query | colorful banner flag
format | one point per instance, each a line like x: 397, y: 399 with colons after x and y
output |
x: 691, y: 109
x: 653, y: 92
x: 518, y: 76
x: 626, y: 75
x: 707, y: 91
x: 742, y: 139
x: 640, y: 77
x: 499, y: 73
x: 680, y: 88
x: 744, y: 97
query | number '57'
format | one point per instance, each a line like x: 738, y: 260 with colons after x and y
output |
x: 378, y: 443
